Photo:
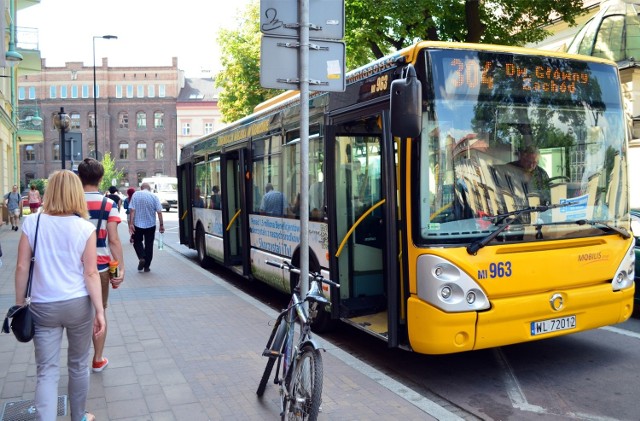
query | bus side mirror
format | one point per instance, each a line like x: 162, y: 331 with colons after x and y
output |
x: 406, y: 105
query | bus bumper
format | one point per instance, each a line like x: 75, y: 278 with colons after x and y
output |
x: 509, y: 321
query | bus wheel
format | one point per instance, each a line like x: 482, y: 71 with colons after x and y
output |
x: 205, y: 261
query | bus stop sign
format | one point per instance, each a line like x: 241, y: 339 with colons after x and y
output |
x: 280, y: 18
x: 279, y: 64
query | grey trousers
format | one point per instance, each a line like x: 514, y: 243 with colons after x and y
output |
x: 76, y: 316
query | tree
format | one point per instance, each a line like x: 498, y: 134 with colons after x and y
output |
x: 240, y: 79
x: 374, y: 28
x: 110, y: 172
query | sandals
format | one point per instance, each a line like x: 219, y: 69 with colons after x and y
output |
x: 88, y: 417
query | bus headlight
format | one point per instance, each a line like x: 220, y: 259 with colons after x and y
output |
x: 447, y: 287
x: 623, y: 278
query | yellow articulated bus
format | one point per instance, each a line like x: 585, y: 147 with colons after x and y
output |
x: 463, y: 196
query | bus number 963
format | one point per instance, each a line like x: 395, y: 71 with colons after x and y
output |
x: 496, y: 270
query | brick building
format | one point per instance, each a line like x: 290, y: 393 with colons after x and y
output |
x: 136, y: 118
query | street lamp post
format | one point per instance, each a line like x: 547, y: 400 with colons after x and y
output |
x: 61, y: 121
x: 95, y: 91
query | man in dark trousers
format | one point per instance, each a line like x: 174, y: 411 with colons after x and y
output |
x: 142, y: 224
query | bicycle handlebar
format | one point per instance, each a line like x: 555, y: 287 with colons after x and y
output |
x: 315, y: 276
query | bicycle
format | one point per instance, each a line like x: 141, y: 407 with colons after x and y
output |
x: 301, y: 383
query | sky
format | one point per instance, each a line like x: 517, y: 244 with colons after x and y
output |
x: 150, y: 32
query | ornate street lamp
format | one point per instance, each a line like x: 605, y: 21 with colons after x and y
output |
x: 95, y: 91
x: 61, y: 121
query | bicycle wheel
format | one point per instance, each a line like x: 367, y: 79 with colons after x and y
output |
x: 306, y: 386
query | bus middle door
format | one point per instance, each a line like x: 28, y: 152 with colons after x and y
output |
x: 234, y: 210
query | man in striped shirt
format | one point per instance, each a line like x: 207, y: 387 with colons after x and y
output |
x: 143, y: 208
x: 108, y: 242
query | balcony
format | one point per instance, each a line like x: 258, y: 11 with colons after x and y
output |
x: 28, y: 45
x: 30, y: 125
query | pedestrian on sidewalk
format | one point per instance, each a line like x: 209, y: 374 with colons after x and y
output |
x: 34, y: 199
x: 113, y: 195
x: 125, y: 205
x: 142, y: 224
x: 108, y: 244
x: 65, y: 291
x: 13, y: 202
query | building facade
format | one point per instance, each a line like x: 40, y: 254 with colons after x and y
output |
x: 135, y: 114
x: 16, y: 58
x: 198, y: 112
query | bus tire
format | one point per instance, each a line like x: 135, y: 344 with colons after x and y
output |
x: 205, y: 261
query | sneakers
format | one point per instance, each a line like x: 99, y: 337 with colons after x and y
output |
x: 141, y: 263
x: 147, y: 269
x: 98, y: 367
x: 14, y: 228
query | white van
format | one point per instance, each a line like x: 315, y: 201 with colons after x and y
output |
x: 166, y: 188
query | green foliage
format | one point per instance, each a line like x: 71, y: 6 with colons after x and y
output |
x: 110, y: 172
x: 240, y: 79
x: 374, y: 28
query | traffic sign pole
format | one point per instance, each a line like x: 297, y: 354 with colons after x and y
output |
x: 304, y: 147
x: 283, y: 30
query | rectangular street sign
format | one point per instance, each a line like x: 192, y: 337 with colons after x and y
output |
x: 279, y: 64
x: 280, y: 18
x: 73, y: 146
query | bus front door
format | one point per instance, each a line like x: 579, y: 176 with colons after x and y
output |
x: 359, y: 229
x: 234, y: 214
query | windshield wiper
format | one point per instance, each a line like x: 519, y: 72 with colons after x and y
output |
x: 503, y: 220
x: 603, y: 225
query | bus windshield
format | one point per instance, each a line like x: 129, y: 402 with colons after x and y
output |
x: 507, y: 132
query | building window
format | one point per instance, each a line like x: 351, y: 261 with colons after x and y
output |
x: 140, y: 175
x: 186, y: 129
x: 161, y: 91
x: 129, y: 91
x: 158, y: 150
x: 74, y: 91
x: 208, y: 128
x: 29, y: 153
x: 118, y: 91
x: 92, y: 149
x: 141, y: 120
x: 75, y: 121
x: 124, y: 151
x: 140, y: 91
x: 21, y: 93
x: 151, y: 91
x: 158, y: 120
x: 92, y: 120
x: 63, y: 92
x: 85, y: 91
x: 53, y: 92
x: 32, y: 92
x: 97, y: 91
x: 55, y: 151
x: 141, y: 151
x: 28, y: 177
x: 123, y: 120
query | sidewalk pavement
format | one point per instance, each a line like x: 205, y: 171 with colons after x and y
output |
x: 183, y: 344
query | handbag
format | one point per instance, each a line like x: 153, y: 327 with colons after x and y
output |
x: 21, y: 318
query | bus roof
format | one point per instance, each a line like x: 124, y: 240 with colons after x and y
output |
x: 390, y: 61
